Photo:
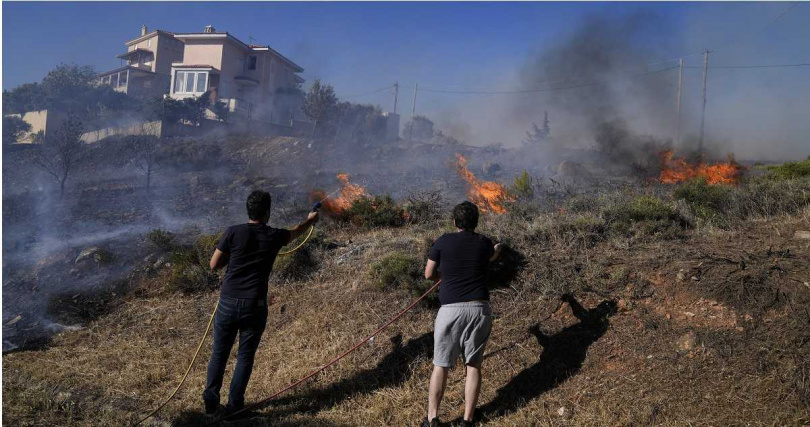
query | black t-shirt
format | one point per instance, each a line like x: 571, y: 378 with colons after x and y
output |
x: 463, y: 258
x: 251, y: 250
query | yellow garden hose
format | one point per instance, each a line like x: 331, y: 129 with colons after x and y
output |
x: 202, y: 340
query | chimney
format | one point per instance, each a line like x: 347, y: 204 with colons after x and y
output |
x: 144, y: 30
x: 209, y: 29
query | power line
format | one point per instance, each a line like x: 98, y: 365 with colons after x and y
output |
x: 768, y: 25
x: 727, y: 44
x: 801, y: 64
x: 367, y: 93
x: 535, y: 90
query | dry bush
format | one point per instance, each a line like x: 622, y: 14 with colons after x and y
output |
x: 190, y: 270
x: 161, y: 239
x: 184, y: 155
x: 423, y: 207
x: 304, y: 262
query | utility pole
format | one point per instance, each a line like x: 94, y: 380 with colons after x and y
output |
x: 396, y: 94
x: 680, y: 87
x: 413, y: 110
x: 703, y: 112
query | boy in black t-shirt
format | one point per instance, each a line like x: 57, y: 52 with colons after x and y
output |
x: 464, y: 321
x: 249, y: 250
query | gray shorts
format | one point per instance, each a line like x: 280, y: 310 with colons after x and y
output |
x: 461, y: 329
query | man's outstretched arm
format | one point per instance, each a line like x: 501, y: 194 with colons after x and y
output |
x: 302, y: 228
x: 579, y: 311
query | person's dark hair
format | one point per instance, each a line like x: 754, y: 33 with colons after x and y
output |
x: 258, y: 205
x: 466, y: 216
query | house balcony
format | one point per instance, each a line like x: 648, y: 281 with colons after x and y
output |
x: 246, y: 81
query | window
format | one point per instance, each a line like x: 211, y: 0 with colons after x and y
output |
x: 114, y: 80
x: 122, y: 78
x: 178, y: 81
x: 190, y: 81
x: 252, y: 60
x: 149, y: 43
x: 201, y: 80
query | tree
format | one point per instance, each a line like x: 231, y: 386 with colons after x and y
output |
x: 538, y: 134
x: 221, y: 110
x: 420, y: 128
x: 143, y: 152
x: 60, y: 153
x: 360, y: 123
x: 13, y: 129
x: 24, y: 98
x: 70, y: 89
x: 195, y: 107
x: 319, y: 103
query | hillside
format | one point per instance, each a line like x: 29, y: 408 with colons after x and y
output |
x: 692, y: 324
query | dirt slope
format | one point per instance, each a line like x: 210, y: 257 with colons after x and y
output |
x: 669, y: 339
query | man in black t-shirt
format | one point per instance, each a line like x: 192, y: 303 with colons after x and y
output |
x: 464, y: 321
x: 249, y: 250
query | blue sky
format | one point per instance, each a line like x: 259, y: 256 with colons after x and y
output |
x: 359, y: 47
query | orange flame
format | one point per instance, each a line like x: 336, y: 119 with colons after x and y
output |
x: 488, y: 195
x: 674, y: 170
x: 348, y: 193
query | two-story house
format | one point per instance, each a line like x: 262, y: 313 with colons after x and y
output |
x: 146, y: 65
x: 256, y: 82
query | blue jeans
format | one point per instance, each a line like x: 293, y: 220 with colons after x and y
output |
x: 248, y: 318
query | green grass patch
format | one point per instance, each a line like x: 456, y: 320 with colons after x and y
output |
x: 376, y: 211
x: 399, y: 271
x: 789, y: 170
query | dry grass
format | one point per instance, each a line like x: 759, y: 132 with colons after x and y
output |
x: 748, y: 366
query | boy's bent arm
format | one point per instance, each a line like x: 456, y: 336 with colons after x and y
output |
x: 498, y: 249
x: 431, y: 272
x: 218, y: 260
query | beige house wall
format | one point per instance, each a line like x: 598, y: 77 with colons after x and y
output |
x: 42, y: 120
x: 231, y: 67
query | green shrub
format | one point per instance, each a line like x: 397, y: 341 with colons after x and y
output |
x: 570, y: 230
x: 522, y: 187
x: 644, y: 216
x: 706, y: 200
x: 399, y: 271
x: 581, y: 204
x: 190, y: 270
x: 765, y: 197
x: 789, y: 170
x: 161, y: 239
x: 376, y: 211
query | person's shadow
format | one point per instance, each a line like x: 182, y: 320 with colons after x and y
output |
x: 562, y: 357
x: 393, y: 369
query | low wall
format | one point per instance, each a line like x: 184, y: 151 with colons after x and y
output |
x: 145, y: 128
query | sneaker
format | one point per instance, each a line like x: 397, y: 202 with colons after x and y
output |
x: 466, y: 423
x: 432, y: 423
